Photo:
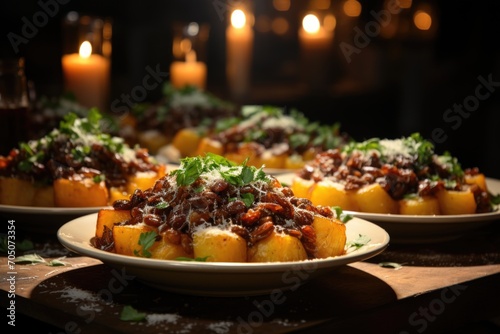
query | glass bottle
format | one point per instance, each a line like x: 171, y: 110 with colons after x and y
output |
x: 14, y: 104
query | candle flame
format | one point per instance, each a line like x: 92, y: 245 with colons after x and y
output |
x: 310, y: 23
x: 85, y: 49
x: 238, y: 19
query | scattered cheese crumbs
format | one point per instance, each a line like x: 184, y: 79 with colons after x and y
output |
x: 394, y: 147
x: 90, y: 307
x: 286, y: 322
x: 74, y: 294
x: 156, y: 318
x: 220, y: 327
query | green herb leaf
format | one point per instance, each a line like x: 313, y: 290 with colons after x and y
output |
x: 495, y: 199
x: 394, y: 265
x: 339, y: 213
x: 30, y: 258
x: 162, y: 205
x: 56, y: 263
x: 129, y: 313
x: 248, y: 199
x: 361, y: 240
x: 146, y: 240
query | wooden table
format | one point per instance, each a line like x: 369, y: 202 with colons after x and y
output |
x: 440, y: 287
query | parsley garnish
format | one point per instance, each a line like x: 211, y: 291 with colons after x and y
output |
x: 360, y: 241
x: 339, y: 213
x: 129, y: 313
x: 146, y: 240
x: 162, y: 205
x: 192, y: 168
x: 248, y: 199
x: 495, y: 199
x: 394, y: 265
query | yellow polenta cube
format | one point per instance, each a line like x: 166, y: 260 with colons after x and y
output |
x: 328, y: 193
x: 277, y: 247
x: 330, y: 236
x: 219, y: 245
x: 453, y: 202
x: 373, y: 198
x: 419, y: 205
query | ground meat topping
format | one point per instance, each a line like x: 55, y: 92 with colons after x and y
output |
x: 211, y: 191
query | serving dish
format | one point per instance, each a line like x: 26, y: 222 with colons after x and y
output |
x: 413, y: 229
x: 222, y: 278
x: 44, y: 220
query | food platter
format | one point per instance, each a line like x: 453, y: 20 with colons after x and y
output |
x: 222, y: 278
x: 411, y: 229
x: 42, y: 219
x: 407, y: 229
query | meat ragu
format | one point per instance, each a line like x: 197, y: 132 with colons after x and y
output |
x: 407, y: 170
x: 240, y: 202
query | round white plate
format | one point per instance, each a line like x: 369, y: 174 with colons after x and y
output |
x: 221, y: 278
x: 42, y: 219
x: 425, y: 229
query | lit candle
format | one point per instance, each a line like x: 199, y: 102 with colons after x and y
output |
x: 190, y: 72
x: 313, y: 37
x: 316, y: 44
x: 87, y: 76
x: 239, y: 44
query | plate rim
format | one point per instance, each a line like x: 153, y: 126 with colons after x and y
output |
x: 83, y: 247
x: 19, y: 209
x: 493, y: 187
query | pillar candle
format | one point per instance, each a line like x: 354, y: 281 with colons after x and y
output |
x: 87, y: 76
x: 239, y: 45
x: 190, y: 72
x: 316, y: 44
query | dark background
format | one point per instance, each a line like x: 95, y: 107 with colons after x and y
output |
x: 394, y: 86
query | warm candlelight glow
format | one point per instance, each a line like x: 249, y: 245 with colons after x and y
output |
x: 191, y: 57
x: 330, y: 22
x: 85, y: 49
x: 352, y: 8
x: 238, y: 19
x: 405, y: 3
x: 280, y: 26
x: 310, y: 23
x: 281, y: 5
x: 422, y: 20
x: 239, y: 45
x: 316, y: 43
x: 87, y: 76
x: 189, y: 72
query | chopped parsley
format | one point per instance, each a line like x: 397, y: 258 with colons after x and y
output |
x: 192, y: 168
x: 146, y: 240
x: 360, y: 241
x: 341, y: 215
x: 129, y: 313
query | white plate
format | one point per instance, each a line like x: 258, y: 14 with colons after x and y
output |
x: 426, y: 229
x: 223, y: 278
x: 42, y: 219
